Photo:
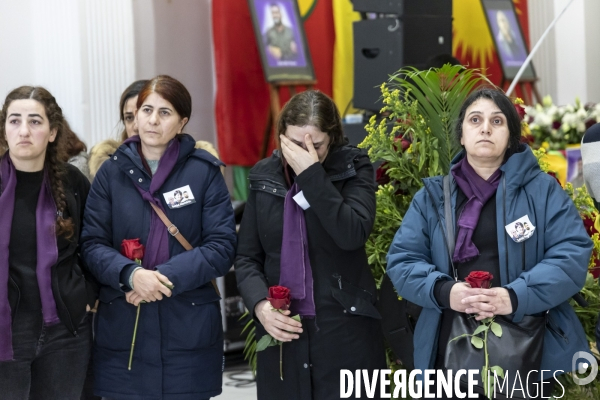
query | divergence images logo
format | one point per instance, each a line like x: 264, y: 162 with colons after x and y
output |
x: 583, y: 366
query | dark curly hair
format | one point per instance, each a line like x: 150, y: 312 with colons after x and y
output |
x: 505, y: 105
x: 56, y: 150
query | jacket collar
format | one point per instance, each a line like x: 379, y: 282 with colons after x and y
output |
x: 129, y: 161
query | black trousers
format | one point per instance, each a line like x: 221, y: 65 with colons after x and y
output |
x: 49, y: 362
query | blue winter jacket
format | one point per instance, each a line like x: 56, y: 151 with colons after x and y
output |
x: 555, y: 257
x: 179, y: 343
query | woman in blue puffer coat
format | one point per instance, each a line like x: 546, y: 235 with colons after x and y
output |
x: 496, y: 183
x: 179, y: 342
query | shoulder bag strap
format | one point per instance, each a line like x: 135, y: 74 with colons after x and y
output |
x: 174, y: 231
x: 449, y: 222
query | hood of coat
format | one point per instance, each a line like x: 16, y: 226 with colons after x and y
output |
x: 520, y: 169
x: 130, y: 162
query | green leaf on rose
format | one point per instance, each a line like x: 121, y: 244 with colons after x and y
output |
x: 498, y: 371
x: 477, y: 342
x: 264, y: 342
x: 480, y: 329
x: 496, y: 329
x: 296, y: 317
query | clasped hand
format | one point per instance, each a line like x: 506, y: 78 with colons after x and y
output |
x: 297, y: 157
x: 148, y: 286
x: 277, y: 324
x: 486, y: 303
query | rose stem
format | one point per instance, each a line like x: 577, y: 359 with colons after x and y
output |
x: 281, y: 360
x: 137, y: 317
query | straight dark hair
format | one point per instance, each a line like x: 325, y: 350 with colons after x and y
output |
x: 507, y: 108
x: 131, y: 91
x: 171, y: 90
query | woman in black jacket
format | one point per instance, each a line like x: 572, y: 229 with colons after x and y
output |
x: 45, y: 334
x: 310, y: 211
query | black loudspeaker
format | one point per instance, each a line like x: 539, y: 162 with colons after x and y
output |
x: 404, y: 7
x: 384, y: 45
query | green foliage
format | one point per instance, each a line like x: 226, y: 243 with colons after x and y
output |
x: 440, y: 94
x: 250, y: 345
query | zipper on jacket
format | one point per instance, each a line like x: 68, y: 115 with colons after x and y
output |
x: 14, y: 316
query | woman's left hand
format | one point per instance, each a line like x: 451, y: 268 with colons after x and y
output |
x: 487, y: 306
x: 298, y: 158
x: 133, y: 298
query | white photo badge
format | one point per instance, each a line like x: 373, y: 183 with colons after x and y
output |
x: 521, y: 229
x: 180, y: 197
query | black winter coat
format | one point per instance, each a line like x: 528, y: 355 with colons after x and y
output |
x: 346, y: 333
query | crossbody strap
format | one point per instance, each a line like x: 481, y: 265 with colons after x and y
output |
x: 449, y: 222
x: 174, y: 231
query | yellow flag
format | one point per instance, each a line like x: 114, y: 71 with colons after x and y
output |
x: 305, y: 6
x: 343, y: 54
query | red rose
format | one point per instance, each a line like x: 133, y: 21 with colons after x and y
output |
x: 480, y: 279
x: 132, y: 249
x: 279, y: 297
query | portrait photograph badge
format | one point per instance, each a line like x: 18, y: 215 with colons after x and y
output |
x: 521, y: 229
x: 180, y: 197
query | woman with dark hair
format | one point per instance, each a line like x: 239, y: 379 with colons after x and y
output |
x: 310, y: 211
x: 494, y: 182
x: 45, y: 333
x: 127, y: 109
x: 179, y: 341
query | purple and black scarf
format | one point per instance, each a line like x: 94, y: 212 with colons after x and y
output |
x: 478, y: 191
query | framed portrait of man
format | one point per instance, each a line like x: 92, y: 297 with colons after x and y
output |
x: 508, y: 38
x: 281, y: 41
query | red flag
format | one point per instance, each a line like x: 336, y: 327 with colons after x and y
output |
x: 242, y: 98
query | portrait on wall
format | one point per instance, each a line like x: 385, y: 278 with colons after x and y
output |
x: 508, y: 37
x: 281, y: 41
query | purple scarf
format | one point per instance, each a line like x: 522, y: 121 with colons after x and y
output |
x: 295, y: 269
x: 478, y: 192
x: 47, y: 251
x: 157, y: 244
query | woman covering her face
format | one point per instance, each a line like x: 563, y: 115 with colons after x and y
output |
x: 179, y: 342
x: 45, y: 332
x: 309, y: 213
x: 495, y: 181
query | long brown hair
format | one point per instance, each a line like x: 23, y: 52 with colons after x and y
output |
x: 73, y: 145
x: 315, y: 109
x: 55, y: 151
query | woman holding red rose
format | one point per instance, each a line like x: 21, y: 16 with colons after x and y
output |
x: 495, y: 181
x: 178, y: 351
x: 309, y: 213
x: 45, y: 332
